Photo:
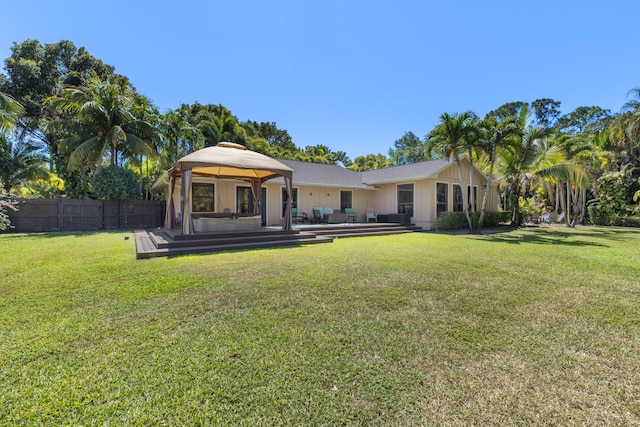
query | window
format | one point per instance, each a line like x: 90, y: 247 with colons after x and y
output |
x: 294, y: 199
x: 202, y: 197
x: 405, y: 199
x: 457, y: 198
x: 244, y: 200
x: 345, y: 200
x: 442, y: 198
x: 475, y: 196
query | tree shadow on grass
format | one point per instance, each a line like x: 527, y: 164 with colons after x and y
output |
x: 592, y: 236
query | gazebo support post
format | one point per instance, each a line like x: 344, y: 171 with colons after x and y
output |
x: 288, y: 183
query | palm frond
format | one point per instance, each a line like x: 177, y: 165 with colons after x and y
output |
x: 90, y: 150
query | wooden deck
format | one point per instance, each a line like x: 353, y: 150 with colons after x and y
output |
x: 160, y: 242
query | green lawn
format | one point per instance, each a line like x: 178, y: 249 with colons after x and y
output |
x: 532, y: 327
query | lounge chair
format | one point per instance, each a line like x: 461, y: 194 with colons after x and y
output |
x: 549, y: 217
x: 351, y: 214
x: 369, y: 214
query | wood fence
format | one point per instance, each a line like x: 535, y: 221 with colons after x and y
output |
x: 85, y: 215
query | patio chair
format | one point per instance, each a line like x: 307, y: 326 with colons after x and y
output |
x: 544, y: 217
x: 351, y: 214
x: 369, y: 214
x: 317, y: 215
x: 549, y: 217
x: 297, y: 216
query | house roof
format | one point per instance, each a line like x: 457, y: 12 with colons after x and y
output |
x: 408, y: 172
x: 307, y: 173
x: 318, y: 174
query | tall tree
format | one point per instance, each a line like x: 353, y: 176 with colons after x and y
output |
x: 101, y: 120
x: 20, y: 161
x: 510, y: 109
x: 530, y: 158
x: 218, y: 126
x: 10, y: 112
x: 179, y: 137
x: 494, y: 135
x: 546, y: 112
x: 370, y: 162
x: 408, y: 149
x: 583, y: 119
x: 270, y: 132
x: 449, y: 139
x: 37, y: 71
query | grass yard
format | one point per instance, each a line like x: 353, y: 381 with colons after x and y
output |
x: 531, y: 327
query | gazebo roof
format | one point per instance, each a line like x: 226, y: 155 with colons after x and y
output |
x: 229, y: 160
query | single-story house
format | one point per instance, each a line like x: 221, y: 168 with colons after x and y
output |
x: 421, y: 191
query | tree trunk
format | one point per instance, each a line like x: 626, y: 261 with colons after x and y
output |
x: 515, y: 219
x: 568, y: 211
x: 465, y: 204
x: 583, y: 210
x: 561, y: 197
x: 472, y: 198
x: 485, y: 197
x: 550, y: 192
x: 140, y: 176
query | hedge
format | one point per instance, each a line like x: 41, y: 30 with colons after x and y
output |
x: 457, y: 220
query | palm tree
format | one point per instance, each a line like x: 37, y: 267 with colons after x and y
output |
x: 179, y: 137
x: 101, y: 120
x: 219, y: 127
x: 20, y: 162
x: 448, y: 139
x: 530, y: 158
x: 494, y: 135
x: 10, y: 110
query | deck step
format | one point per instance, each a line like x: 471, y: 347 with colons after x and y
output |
x: 184, y: 250
x: 160, y: 242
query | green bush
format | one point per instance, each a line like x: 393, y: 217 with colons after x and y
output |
x: 7, y: 201
x: 453, y: 221
x: 626, y: 221
x: 114, y: 183
x: 494, y: 218
x: 598, y: 216
x: 457, y: 220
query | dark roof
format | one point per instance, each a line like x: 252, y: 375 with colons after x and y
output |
x: 321, y: 174
x: 404, y: 172
x: 336, y: 176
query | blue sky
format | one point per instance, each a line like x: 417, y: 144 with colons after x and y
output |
x: 352, y: 75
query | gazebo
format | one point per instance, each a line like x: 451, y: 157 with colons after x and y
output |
x: 225, y: 160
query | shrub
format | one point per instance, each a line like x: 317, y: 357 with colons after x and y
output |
x: 7, y: 201
x: 457, y: 220
x: 626, y: 221
x: 453, y: 221
x: 598, y: 216
x: 114, y: 183
x: 494, y: 218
